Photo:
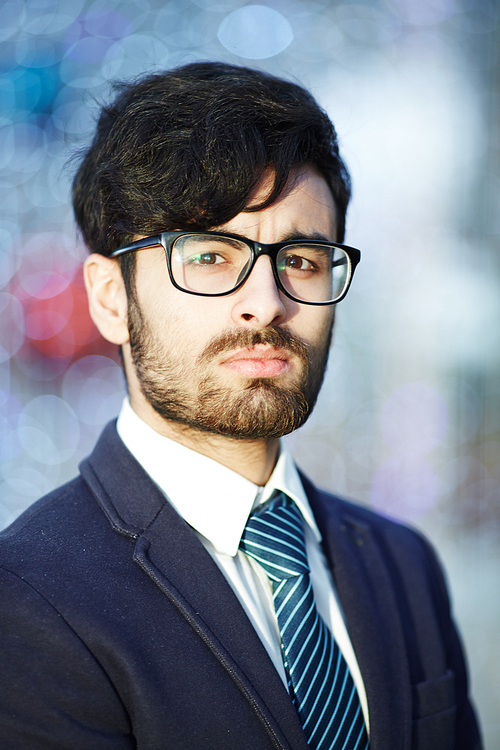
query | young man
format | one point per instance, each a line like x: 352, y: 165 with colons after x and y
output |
x: 190, y: 589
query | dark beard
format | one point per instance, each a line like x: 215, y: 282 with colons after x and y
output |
x: 262, y: 409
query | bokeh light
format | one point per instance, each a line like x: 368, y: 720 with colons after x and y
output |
x: 255, y: 32
x: 408, y: 420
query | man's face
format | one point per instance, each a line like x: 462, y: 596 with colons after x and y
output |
x: 249, y: 364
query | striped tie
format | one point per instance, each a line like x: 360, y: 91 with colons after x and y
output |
x: 318, y: 677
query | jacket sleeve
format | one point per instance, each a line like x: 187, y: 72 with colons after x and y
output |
x: 53, y: 693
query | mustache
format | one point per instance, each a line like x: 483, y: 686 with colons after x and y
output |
x: 245, y: 338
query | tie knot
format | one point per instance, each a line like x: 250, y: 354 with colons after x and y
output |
x: 274, y: 537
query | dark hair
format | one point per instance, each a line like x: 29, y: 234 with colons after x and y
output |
x: 186, y: 148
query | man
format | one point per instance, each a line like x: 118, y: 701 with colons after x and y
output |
x: 190, y: 589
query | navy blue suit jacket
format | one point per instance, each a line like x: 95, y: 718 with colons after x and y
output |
x: 119, y: 631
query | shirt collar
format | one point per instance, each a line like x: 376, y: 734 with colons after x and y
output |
x: 213, y: 499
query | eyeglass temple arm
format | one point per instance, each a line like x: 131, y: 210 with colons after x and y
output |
x: 340, y: 262
x: 137, y: 245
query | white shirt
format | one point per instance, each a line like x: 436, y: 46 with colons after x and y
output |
x: 216, y: 502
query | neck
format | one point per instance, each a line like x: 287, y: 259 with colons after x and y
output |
x: 253, y: 459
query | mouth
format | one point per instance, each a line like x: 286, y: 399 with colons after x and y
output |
x: 258, y: 362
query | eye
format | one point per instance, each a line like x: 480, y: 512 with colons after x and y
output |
x: 206, y: 259
x: 298, y: 263
x: 305, y: 261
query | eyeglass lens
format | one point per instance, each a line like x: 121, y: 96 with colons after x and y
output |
x: 217, y: 264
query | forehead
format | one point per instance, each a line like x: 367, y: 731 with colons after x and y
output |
x: 305, y: 206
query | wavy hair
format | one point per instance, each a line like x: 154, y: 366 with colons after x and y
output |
x: 186, y: 149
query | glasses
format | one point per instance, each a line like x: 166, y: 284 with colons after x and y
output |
x: 212, y: 264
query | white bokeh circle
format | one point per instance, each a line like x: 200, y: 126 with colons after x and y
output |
x: 255, y: 32
x: 48, y: 430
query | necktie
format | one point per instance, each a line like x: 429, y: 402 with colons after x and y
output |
x: 318, y: 677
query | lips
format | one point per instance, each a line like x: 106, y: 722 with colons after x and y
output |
x: 258, y: 362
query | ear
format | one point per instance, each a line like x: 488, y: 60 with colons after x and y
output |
x: 107, y: 297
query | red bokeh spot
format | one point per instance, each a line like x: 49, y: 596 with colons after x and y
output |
x: 61, y: 326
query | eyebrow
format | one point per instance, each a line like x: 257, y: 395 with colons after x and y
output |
x: 296, y: 236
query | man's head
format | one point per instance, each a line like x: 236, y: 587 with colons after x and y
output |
x: 212, y: 146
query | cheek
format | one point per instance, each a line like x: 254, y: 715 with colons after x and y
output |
x: 182, y: 325
x: 313, y: 325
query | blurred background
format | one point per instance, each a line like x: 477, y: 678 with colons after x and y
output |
x: 408, y: 421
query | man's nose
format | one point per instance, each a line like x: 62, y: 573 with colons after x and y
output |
x: 259, y: 302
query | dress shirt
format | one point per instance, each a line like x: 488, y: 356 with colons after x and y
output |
x: 216, y: 502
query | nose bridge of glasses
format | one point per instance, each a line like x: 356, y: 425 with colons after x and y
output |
x: 256, y: 250
x: 260, y: 250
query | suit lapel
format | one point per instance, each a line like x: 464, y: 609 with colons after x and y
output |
x: 372, y: 614
x: 170, y: 553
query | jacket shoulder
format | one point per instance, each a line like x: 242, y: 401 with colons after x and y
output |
x: 34, y: 513
x: 64, y: 530
x: 55, y: 508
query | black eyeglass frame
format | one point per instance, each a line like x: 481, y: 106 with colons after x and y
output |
x: 167, y: 239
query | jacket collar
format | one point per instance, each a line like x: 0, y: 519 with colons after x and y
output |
x: 127, y: 496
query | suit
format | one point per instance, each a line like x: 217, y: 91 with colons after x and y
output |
x: 119, y: 631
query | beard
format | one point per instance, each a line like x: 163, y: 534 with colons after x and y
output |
x: 260, y: 409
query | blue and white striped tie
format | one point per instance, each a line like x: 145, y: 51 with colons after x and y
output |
x: 319, y: 680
